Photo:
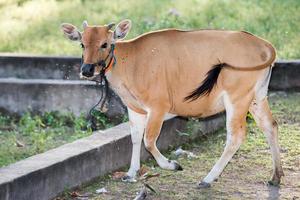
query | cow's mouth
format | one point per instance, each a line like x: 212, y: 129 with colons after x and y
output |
x: 90, y: 78
x: 96, y: 78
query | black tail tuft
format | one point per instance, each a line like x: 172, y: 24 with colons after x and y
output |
x: 208, y: 83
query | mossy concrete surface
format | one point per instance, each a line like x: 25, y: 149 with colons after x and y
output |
x: 245, y: 177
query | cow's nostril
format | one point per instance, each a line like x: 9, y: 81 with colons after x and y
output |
x: 87, y: 74
x: 87, y: 70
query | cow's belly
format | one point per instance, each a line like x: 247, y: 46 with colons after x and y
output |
x: 203, y: 107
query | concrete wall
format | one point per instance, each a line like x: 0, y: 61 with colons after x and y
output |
x: 57, y: 67
x: 39, y: 67
x: 38, y: 95
x: 21, y: 95
x: 286, y: 76
x: 44, y: 176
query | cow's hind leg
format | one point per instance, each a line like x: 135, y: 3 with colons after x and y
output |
x: 236, y: 132
x: 263, y: 117
x: 152, y: 131
x: 137, y: 126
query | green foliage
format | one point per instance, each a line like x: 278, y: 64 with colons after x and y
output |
x: 100, y: 120
x: 250, y: 118
x: 125, y: 118
x: 4, y: 121
x: 57, y: 119
x: 33, y: 26
x: 39, y: 139
x: 80, y: 123
x: 31, y: 134
x: 29, y: 124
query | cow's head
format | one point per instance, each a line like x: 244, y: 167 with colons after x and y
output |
x: 96, y: 42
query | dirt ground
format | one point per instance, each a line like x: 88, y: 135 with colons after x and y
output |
x: 245, y: 177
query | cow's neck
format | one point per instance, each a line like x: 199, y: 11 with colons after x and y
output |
x: 124, y: 59
x: 120, y: 77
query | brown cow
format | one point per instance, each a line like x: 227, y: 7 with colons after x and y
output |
x: 168, y: 73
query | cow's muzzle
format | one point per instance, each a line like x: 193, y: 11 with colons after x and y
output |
x: 87, y: 70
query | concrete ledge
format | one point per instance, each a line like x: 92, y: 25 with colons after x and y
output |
x: 67, y: 67
x: 35, y: 95
x: 42, y: 87
x: 40, y: 95
x: 39, y: 67
x: 286, y: 76
x: 46, y: 81
x: 46, y: 175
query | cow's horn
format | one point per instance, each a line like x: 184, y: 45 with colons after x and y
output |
x: 110, y: 25
x: 84, y: 24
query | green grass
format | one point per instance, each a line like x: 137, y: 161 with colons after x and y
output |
x: 245, y: 177
x: 32, y: 134
x: 33, y: 26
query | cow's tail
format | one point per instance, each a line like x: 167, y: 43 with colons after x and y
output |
x: 208, y: 83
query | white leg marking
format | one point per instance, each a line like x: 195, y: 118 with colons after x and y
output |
x: 232, y: 144
x: 162, y: 161
x: 261, y: 87
x: 137, y: 127
x: 169, y: 116
x: 263, y: 117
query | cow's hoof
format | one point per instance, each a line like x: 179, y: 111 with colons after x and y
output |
x: 203, y: 184
x: 177, y: 167
x: 128, y: 179
x: 274, y: 183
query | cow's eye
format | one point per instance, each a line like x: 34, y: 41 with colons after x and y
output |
x: 82, y: 46
x: 104, y: 46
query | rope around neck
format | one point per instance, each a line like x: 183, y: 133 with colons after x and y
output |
x: 104, y: 87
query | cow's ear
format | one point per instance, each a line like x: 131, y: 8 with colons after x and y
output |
x: 122, y: 29
x: 71, y: 31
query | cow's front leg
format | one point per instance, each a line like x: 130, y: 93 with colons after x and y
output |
x: 154, y: 123
x: 137, y: 126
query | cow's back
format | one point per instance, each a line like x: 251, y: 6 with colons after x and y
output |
x: 170, y: 64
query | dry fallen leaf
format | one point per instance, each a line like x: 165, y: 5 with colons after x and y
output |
x: 142, y: 194
x: 118, y: 175
x: 149, y: 175
x: 150, y: 188
x: 19, y: 144
x: 143, y: 170
x: 74, y: 194
x: 81, y: 198
x: 101, y: 191
x: 181, y: 152
x: 60, y: 198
